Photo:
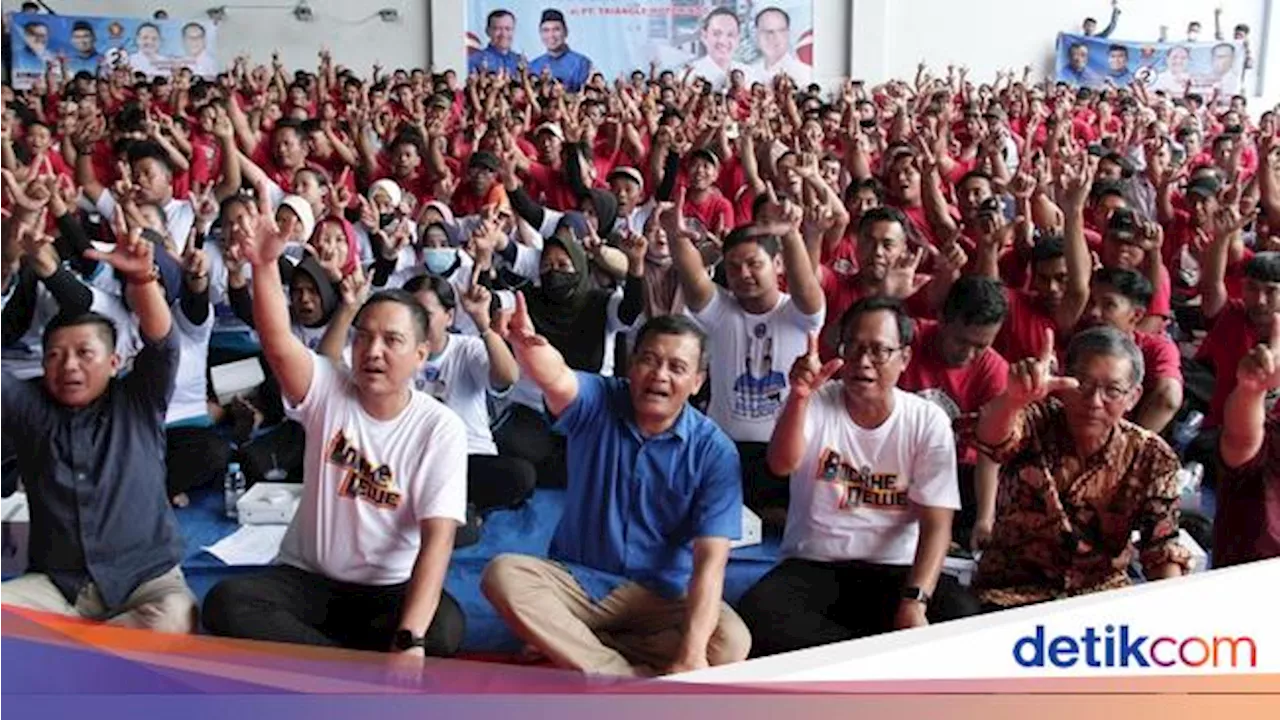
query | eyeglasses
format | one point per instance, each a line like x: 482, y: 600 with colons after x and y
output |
x: 1110, y: 393
x: 880, y: 354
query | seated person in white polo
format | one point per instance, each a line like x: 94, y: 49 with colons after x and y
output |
x: 384, y: 486
x: 873, y: 490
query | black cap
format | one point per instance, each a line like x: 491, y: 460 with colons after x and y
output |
x: 1126, y: 167
x: 1123, y: 224
x: 552, y: 16
x: 486, y: 160
x: 1205, y: 186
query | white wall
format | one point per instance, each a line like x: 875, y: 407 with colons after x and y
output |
x: 343, y: 26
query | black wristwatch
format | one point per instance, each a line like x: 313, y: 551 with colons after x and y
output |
x: 406, y: 640
x: 915, y: 593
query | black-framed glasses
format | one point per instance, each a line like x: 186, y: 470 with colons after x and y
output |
x: 880, y: 354
x: 1111, y: 392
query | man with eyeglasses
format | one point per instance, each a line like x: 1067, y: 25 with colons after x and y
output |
x: 1076, y: 478
x: 873, y: 489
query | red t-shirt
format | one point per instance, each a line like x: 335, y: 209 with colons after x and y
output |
x: 548, y: 187
x: 206, y: 159
x: 957, y: 390
x: 1023, y: 333
x: 1228, y: 341
x: 1160, y: 356
x: 715, y: 212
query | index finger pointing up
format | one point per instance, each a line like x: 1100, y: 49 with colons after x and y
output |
x: 1047, y: 348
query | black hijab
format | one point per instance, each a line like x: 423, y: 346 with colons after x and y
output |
x: 574, y: 326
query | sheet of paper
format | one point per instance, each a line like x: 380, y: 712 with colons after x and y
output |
x: 250, y: 545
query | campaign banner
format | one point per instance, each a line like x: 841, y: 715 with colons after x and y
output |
x: 573, y: 38
x: 1205, y: 66
x: 97, y: 44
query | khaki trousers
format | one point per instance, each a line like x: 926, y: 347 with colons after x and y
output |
x: 632, y: 631
x: 163, y: 604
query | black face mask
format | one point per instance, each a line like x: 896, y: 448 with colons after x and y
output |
x: 385, y: 220
x: 559, y: 286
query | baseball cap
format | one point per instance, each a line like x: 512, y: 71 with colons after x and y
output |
x: 552, y: 16
x: 1204, y: 186
x: 705, y: 154
x: 550, y: 127
x: 629, y: 173
x: 1123, y: 224
x: 486, y: 160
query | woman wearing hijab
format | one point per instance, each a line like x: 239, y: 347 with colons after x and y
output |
x: 580, y: 321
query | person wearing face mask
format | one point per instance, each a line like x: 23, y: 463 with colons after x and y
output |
x: 579, y: 321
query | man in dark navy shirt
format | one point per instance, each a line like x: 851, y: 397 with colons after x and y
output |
x: 104, y: 544
x: 569, y: 67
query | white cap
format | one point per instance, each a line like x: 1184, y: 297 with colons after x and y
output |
x: 551, y: 127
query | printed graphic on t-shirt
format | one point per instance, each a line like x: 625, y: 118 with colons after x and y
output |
x: 757, y: 393
x: 431, y: 381
x: 363, y: 480
x: 861, y: 487
x: 939, y: 397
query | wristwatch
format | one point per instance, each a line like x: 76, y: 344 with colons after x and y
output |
x: 915, y: 593
x: 406, y: 640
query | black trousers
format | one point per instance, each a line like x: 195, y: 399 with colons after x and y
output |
x: 194, y: 457
x: 761, y: 488
x: 285, y: 604
x: 526, y: 434
x: 804, y: 603
x: 282, y: 447
x: 963, y: 521
x: 496, y: 482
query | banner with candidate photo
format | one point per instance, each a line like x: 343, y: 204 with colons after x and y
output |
x: 571, y: 38
x: 98, y: 44
x: 1173, y: 67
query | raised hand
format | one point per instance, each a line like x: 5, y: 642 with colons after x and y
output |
x: 133, y: 257
x: 1077, y: 179
x: 636, y: 247
x: 206, y: 205
x: 808, y: 373
x: 520, y: 330
x: 900, y: 282
x: 477, y: 301
x: 261, y: 243
x: 1259, y: 370
x: 354, y: 289
x: 368, y: 216
x: 1032, y: 380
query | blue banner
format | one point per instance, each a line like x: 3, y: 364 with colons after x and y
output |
x: 712, y: 37
x: 97, y: 44
x: 1173, y: 67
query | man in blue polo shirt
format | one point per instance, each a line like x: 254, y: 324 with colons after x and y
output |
x: 636, y: 571
x: 569, y: 67
x: 500, y: 26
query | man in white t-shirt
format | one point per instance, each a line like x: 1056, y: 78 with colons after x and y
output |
x: 755, y: 331
x: 873, y: 489
x: 384, y: 486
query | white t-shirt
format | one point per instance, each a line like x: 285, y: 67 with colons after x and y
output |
x: 851, y: 497
x: 459, y: 378
x: 750, y: 358
x: 367, y: 484
x: 179, y: 217
x: 190, y: 388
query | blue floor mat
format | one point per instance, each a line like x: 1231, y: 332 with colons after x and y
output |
x: 527, y: 530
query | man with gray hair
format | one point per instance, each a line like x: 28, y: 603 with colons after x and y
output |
x: 1076, y: 478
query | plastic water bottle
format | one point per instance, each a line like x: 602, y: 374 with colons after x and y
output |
x: 1190, y: 478
x: 1187, y: 430
x: 233, y: 487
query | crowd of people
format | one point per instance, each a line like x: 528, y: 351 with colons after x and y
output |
x: 889, y: 319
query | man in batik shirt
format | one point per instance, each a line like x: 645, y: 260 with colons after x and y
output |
x: 1076, y: 479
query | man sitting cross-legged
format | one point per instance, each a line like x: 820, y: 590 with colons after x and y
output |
x: 384, y: 486
x: 636, y: 570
